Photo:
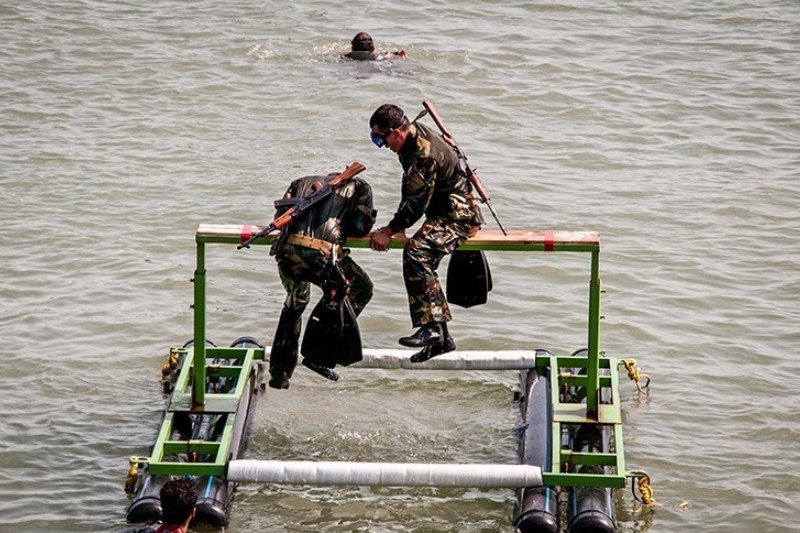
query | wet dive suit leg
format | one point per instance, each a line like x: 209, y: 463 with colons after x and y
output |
x: 284, y: 353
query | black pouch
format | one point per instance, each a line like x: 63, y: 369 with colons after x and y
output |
x: 469, y: 279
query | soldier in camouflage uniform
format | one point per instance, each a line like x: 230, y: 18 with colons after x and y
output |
x: 303, y: 251
x: 432, y: 186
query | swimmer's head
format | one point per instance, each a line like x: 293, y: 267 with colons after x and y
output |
x: 362, y: 42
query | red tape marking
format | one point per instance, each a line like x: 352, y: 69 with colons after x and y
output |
x: 247, y: 232
x: 549, y: 241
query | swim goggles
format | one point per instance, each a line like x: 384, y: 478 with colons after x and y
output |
x: 377, y: 139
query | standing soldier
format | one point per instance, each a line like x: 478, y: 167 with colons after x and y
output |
x: 303, y: 252
x: 432, y: 186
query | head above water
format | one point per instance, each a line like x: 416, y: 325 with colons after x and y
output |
x: 178, y: 499
x: 362, y: 42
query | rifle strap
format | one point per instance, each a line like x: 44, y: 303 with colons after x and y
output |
x: 315, y: 244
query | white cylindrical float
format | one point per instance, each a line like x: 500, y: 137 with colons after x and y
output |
x: 398, y: 358
x: 384, y: 474
x: 457, y: 360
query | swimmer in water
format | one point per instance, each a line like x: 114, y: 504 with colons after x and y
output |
x: 363, y: 49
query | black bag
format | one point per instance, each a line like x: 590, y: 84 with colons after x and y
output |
x: 469, y: 279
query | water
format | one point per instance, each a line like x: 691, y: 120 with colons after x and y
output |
x: 669, y: 127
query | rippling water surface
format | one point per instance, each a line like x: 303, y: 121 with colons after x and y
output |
x: 669, y: 127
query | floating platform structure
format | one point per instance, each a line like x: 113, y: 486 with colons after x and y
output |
x: 571, y: 444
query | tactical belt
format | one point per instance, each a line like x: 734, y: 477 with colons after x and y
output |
x: 315, y: 244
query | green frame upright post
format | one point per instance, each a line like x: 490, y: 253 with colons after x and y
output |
x: 199, y: 360
x: 593, y: 368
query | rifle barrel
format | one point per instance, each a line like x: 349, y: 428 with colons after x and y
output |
x: 494, y: 214
x: 261, y: 233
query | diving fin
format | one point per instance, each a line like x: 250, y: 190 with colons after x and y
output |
x: 321, y: 370
x: 469, y: 279
x: 332, y: 336
x: 349, y: 349
x: 322, y: 329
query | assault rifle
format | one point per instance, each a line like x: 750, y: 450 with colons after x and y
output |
x: 463, y: 165
x: 301, y: 205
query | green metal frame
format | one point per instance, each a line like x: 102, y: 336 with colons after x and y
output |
x: 191, y: 396
x: 238, y: 366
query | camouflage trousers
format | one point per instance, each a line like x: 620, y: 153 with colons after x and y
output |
x: 434, y: 240
x: 300, y: 267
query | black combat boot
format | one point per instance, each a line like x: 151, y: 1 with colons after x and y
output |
x: 428, y: 335
x: 428, y: 352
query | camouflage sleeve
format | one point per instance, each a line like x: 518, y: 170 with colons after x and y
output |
x: 418, y: 183
x: 359, y: 221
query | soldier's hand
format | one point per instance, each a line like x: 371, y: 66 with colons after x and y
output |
x: 379, y: 240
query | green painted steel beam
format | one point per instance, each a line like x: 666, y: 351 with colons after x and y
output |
x: 576, y: 380
x: 186, y: 469
x: 183, y: 381
x: 575, y: 413
x: 619, y: 449
x: 398, y: 244
x: 589, y: 458
x: 190, y: 446
x: 562, y: 479
x: 163, y: 434
x: 592, y: 369
x: 236, y: 353
x: 571, y: 361
x: 224, y: 371
x: 215, y: 403
x: 491, y: 240
x: 555, y: 424
x: 199, y: 383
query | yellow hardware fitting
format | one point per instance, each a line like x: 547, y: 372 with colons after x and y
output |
x: 635, y: 375
x: 644, y: 488
x: 172, y: 361
x: 133, y: 475
x: 173, y: 356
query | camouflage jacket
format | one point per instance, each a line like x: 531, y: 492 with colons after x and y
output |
x: 432, y: 184
x: 347, y: 212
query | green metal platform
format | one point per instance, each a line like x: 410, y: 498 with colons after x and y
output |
x: 200, y: 364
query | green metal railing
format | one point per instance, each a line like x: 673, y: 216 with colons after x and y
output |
x: 192, y: 396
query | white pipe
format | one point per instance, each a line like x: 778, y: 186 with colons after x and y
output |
x: 457, y: 360
x: 398, y: 358
x: 384, y: 474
